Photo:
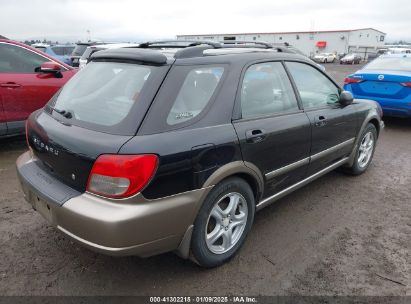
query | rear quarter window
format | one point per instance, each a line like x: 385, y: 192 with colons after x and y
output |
x: 195, y: 93
x: 185, y: 97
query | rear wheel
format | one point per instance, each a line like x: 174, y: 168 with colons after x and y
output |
x: 223, y: 222
x: 364, y: 151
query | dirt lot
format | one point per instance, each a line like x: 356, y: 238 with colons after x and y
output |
x: 337, y: 236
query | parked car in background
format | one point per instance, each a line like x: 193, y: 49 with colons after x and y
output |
x: 399, y: 50
x: 371, y: 56
x: 28, y: 79
x: 387, y: 80
x: 79, y: 50
x: 60, y: 52
x: 351, y: 59
x: 153, y: 149
x: 90, y: 50
x: 324, y: 57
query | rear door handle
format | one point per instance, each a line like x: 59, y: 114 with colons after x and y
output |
x: 321, y: 121
x: 255, y: 136
x: 10, y: 85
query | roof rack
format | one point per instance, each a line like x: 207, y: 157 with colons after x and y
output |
x: 246, y: 43
x: 178, y: 44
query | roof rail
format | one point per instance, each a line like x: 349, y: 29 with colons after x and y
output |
x: 178, y: 44
x: 245, y: 43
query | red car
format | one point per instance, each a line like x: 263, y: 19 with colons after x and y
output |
x: 28, y: 79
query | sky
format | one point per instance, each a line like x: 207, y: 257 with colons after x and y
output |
x: 135, y: 21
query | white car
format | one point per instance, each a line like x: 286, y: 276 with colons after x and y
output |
x: 324, y: 57
x: 95, y: 48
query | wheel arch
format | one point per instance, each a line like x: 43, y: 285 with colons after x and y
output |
x: 244, y: 170
x: 371, y: 118
x: 376, y: 124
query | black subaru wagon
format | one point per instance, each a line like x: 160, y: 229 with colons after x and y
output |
x: 173, y: 146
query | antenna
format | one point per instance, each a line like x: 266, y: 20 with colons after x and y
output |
x: 88, y: 38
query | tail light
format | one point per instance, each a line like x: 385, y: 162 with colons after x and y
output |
x: 27, y: 133
x: 406, y: 84
x: 121, y: 176
x: 349, y: 80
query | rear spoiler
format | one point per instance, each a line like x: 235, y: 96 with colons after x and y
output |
x: 133, y: 54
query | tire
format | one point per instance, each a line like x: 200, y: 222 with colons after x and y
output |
x: 325, y: 60
x: 216, y: 252
x: 364, y: 151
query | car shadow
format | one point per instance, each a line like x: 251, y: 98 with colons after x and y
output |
x: 13, y: 143
x: 395, y: 123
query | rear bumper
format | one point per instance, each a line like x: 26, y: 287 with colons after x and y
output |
x: 390, y: 107
x: 133, y: 226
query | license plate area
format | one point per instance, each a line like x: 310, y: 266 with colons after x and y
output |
x: 42, y: 207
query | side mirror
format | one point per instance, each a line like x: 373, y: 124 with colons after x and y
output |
x: 50, y: 68
x: 346, y: 98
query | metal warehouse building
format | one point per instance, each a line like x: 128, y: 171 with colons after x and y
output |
x: 363, y: 41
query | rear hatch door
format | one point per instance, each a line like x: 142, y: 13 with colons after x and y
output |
x: 95, y: 113
x: 67, y: 151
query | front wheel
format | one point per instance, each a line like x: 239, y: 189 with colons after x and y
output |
x: 223, y: 222
x: 364, y: 151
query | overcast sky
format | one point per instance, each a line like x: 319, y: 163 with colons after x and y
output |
x: 130, y: 20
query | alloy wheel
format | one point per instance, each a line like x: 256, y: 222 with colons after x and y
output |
x: 226, y: 223
x: 366, y: 149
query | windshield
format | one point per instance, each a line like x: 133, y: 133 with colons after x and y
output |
x: 390, y: 63
x: 102, y: 94
x: 79, y: 49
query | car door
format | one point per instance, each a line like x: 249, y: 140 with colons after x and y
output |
x: 22, y: 89
x: 3, y: 124
x: 274, y: 132
x: 334, y: 126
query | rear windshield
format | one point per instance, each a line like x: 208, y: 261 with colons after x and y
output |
x: 87, y: 53
x: 390, y: 63
x: 101, y: 96
x: 41, y: 48
x: 63, y: 50
x: 79, y: 49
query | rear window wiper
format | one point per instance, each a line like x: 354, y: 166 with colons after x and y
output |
x: 64, y: 113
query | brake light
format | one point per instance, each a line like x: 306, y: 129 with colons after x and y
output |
x: 406, y: 84
x: 120, y: 176
x: 349, y: 80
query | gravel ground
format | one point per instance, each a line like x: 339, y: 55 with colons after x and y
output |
x: 339, y: 235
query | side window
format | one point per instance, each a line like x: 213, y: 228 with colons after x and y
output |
x: 15, y: 59
x: 195, y: 93
x: 266, y: 90
x: 315, y: 89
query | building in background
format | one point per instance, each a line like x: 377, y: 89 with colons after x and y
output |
x: 362, y: 41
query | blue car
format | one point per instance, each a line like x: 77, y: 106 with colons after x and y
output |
x: 60, y: 52
x: 387, y: 80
